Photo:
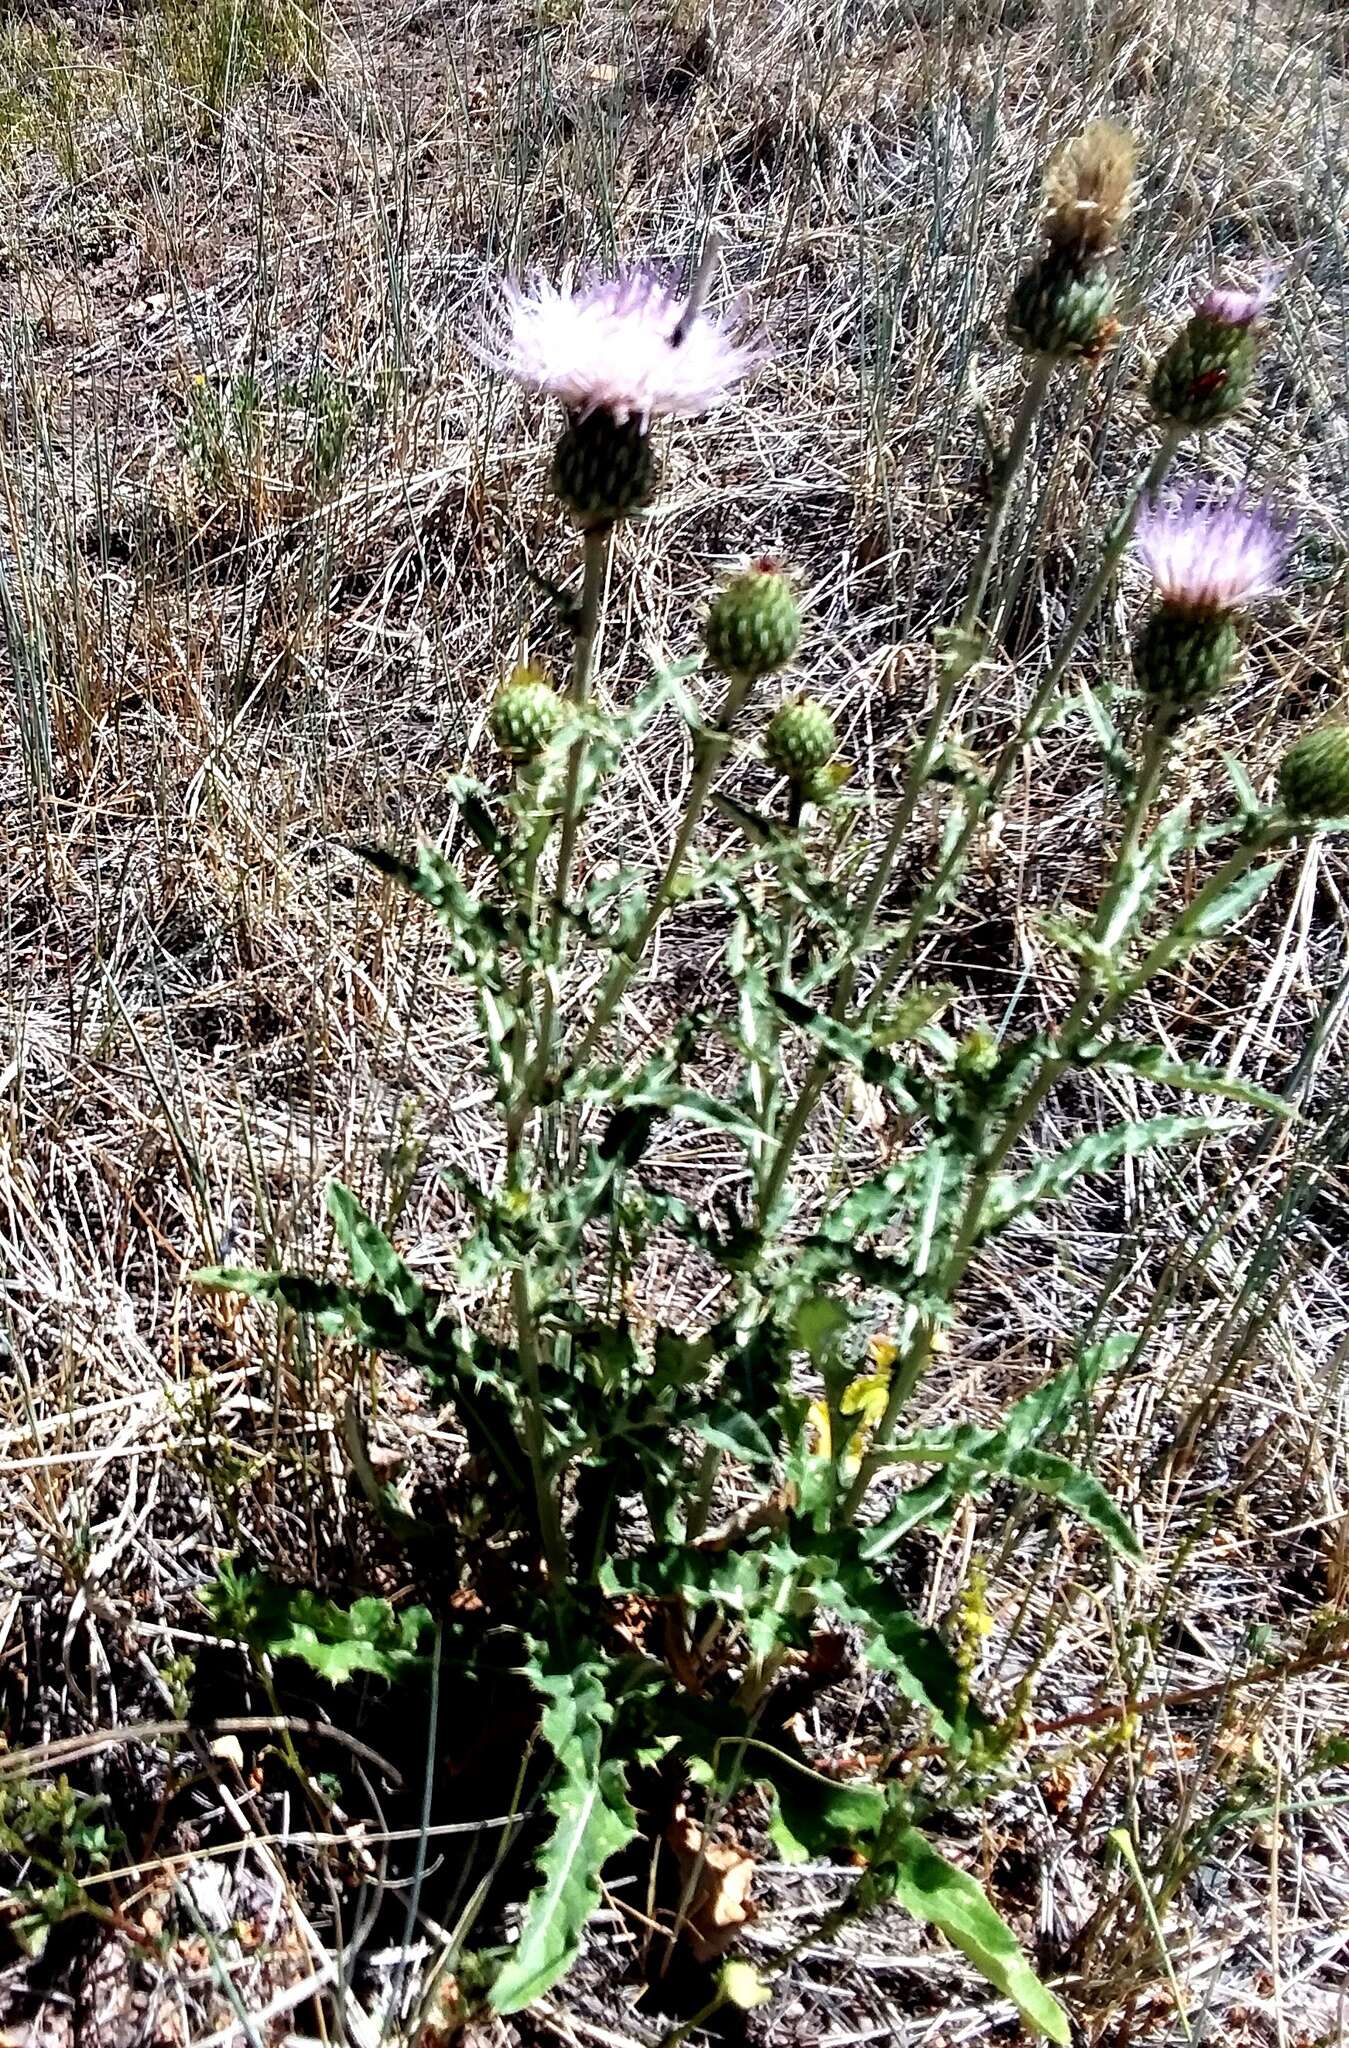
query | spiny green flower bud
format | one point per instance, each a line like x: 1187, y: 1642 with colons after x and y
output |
x: 603, y: 468
x: 1063, y: 306
x: 754, y: 626
x: 1205, y: 374
x: 800, y: 739
x: 526, y: 714
x: 1314, y: 774
x: 1182, y: 656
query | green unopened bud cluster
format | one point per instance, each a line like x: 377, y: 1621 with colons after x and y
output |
x: 1314, y: 774
x: 525, y: 715
x: 754, y: 625
x: 604, y: 469
x: 1205, y: 375
x: 1183, y: 655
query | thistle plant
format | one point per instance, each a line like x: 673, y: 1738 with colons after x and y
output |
x: 684, y: 1505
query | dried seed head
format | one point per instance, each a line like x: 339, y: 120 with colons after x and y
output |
x: 1086, y: 187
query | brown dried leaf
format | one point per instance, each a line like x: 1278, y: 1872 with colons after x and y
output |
x: 717, y: 1877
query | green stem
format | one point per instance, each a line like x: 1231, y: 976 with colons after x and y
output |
x: 710, y: 752
x: 1115, y: 543
x: 1156, y: 748
x: 916, y: 1360
x: 549, y: 1513
x: 597, y: 540
x: 955, y: 666
x: 701, y: 1505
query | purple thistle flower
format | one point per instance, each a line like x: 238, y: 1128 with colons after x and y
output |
x: 629, y: 346
x: 1233, y: 306
x: 1212, y: 556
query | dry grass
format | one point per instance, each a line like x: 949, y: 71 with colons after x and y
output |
x: 261, y: 533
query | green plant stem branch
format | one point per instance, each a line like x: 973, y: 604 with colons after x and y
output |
x: 710, y: 751
x: 1116, y: 541
x: 1152, y: 767
x: 597, y: 541
x: 905, y: 1377
x: 956, y: 664
x: 549, y: 1513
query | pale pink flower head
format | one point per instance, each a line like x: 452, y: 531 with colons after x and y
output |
x: 628, y: 345
x: 1233, y: 306
x: 1209, y: 556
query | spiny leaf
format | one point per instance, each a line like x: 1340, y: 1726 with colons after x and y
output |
x: 872, y: 1060
x: 1011, y: 1196
x: 282, y: 1621
x: 1144, y: 873
x: 374, y: 1262
x: 1057, y: 1477
x: 948, y: 1899
x: 1208, y: 920
x: 1155, y: 1064
x: 920, y: 1663
x: 972, y: 1453
x: 593, y: 1820
x: 971, y: 1458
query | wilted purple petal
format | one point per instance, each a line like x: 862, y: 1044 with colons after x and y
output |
x: 1213, y: 556
x: 1234, y: 306
x: 623, y: 346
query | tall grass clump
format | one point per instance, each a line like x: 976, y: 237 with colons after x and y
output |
x: 673, y: 1519
x: 216, y: 50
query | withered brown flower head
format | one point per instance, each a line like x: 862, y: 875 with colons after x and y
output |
x: 1086, y: 187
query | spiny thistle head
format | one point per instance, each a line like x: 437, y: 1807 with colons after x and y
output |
x: 1086, y: 188
x: 630, y: 346
x: 1207, y: 562
x: 525, y: 715
x: 1314, y: 774
x: 603, y: 468
x: 754, y: 625
x: 1063, y: 304
x: 1205, y: 375
x: 801, y: 739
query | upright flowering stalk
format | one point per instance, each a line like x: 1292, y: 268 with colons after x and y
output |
x: 618, y: 354
x: 1208, y: 562
x: 1205, y: 375
x: 1063, y: 305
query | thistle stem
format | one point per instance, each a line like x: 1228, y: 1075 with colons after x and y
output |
x: 549, y: 1513
x: 597, y: 541
x: 916, y: 1360
x: 710, y: 752
x: 954, y: 668
x: 1115, y: 543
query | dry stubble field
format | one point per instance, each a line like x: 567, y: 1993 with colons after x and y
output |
x: 263, y: 528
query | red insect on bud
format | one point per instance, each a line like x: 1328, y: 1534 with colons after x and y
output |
x: 1208, y: 384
